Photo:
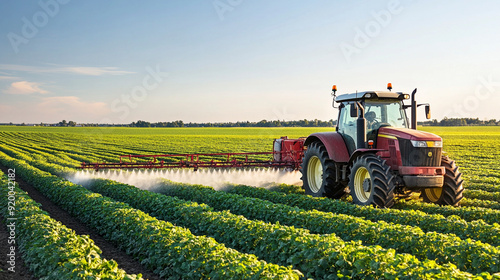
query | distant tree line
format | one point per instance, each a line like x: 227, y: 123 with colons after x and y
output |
x: 64, y: 123
x: 460, y: 122
x: 262, y: 123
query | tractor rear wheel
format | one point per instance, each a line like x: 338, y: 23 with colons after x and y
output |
x: 452, y: 191
x: 371, y: 182
x: 318, y: 173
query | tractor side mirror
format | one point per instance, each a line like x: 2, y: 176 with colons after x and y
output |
x: 354, y: 110
x: 428, y: 112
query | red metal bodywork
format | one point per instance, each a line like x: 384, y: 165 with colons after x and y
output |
x: 387, y: 142
x: 334, y: 144
x: 387, y: 148
x: 410, y: 134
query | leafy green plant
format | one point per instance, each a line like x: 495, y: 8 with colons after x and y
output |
x: 50, y: 249
x: 317, y: 256
x: 468, y: 255
x: 478, y: 230
x: 490, y: 216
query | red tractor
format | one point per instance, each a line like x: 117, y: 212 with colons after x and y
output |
x: 374, y: 154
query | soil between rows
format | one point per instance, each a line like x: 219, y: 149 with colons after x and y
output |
x: 109, y: 251
x: 21, y: 270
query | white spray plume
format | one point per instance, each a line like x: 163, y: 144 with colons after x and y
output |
x: 218, y: 178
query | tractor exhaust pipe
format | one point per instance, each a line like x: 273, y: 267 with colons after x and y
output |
x: 361, y: 127
x: 413, y: 110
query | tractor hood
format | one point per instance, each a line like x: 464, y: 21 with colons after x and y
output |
x: 410, y: 134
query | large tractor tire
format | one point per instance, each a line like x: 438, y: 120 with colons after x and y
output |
x: 371, y: 182
x: 318, y: 173
x: 452, y: 191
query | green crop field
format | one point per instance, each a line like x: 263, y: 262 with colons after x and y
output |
x: 187, y: 231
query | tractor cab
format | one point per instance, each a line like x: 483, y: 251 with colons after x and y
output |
x: 380, y: 109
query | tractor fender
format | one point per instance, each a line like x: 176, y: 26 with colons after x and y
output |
x: 334, y: 144
x: 360, y: 152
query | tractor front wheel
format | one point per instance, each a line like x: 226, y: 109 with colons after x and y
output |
x: 452, y: 191
x: 318, y: 173
x: 371, y: 182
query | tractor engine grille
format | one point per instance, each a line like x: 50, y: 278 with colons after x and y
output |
x: 412, y: 156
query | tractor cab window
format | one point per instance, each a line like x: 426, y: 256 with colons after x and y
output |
x: 382, y: 113
x: 347, y: 126
x: 378, y: 113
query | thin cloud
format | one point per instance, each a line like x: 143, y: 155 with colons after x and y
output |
x: 72, y: 107
x: 8, y: 78
x: 80, y: 70
x: 25, y: 87
x: 96, y: 71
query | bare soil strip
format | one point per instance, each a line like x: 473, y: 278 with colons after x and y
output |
x: 109, y: 251
x: 21, y: 270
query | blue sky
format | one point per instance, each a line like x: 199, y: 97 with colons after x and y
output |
x: 238, y: 60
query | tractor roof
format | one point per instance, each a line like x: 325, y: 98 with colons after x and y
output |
x: 371, y: 95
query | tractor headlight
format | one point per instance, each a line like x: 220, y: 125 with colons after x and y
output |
x: 419, y: 144
x: 437, y: 144
x: 425, y: 144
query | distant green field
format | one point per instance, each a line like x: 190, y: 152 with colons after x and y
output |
x: 476, y: 149
x: 441, y: 130
x: 290, y: 131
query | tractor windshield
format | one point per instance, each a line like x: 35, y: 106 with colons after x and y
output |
x: 377, y: 113
x: 382, y: 113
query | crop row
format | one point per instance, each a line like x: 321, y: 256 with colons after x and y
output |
x: 167, y: 249
x: 480, y: 203
x: 35, y: 160
x: 63, y: 158
x: 50, y: 154
x: 56, y: 145
x: 468, y: 255
x: 485, y: 183
x: 471, y: 210
x: 50, y: 249
x: 108, y: 146
x: 478, y: 230
x: 490, y: 216
x: 317, y: 256
x: 482, y: 195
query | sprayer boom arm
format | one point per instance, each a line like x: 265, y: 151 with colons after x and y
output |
x: 195, y: 161
x: 287, y: 153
